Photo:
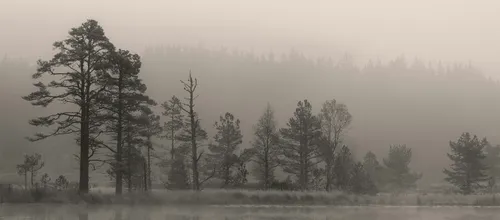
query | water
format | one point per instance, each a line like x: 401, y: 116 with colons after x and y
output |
x: 79, y: 212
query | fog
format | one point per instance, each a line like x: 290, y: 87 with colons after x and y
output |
x: 431, y: 30
x: 445, y: 29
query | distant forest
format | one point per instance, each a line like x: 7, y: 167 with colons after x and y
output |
x: 398, y: 103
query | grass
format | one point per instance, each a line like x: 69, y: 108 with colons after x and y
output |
x: 241, y: 197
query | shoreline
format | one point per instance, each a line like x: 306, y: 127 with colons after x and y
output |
x: 240, y: 198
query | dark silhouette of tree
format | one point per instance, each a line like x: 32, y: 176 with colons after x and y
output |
x: 35, y: 164
x: 173, y: 112
x: 193, y: 132
x: 31, y: 164
x: 400, y: 176
x: 342, y: 168
x: 123, y: 98
x: 468, y: 170
x: 151, y: 128
x: 45, y: 180
x: 178, y: 175
x: 360, y: 181
x: 22, y: 170
x: 78, y: 68
x: 222, y: 153
x: 299, y: 148
x: 61, y: 183
x: 266, y: 150
x: 374, y: 169
x: 335, y: 118
x: 492, y: 161
x: 134, y: 162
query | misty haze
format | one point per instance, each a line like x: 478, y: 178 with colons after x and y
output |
x: 249, y: 109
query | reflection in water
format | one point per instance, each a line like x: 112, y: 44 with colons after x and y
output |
x: 83, y: 216
x: 118, y: 214
x: 68, y: 212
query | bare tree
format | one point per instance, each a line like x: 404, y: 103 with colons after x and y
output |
x: 194, y: 128
x: 335, y: 119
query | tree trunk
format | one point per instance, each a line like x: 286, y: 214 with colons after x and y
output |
x: 328, y: 186
x: 194, y: 148
x: 227, y: 174
x: 145, y: 176
x: 118, y: 168
x: 26, y: 179
x: 266, y: 172
x: 149, y: 183
x: 172, y: 150
x: 84, y: 151
x: 129, y: 163
x: 32, y: 178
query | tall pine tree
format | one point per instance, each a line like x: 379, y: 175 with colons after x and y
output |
x: 227, y: 139
x: 265, y: 148
x: 77, y: 69
x: 124, y: 95
x: 299, y: 147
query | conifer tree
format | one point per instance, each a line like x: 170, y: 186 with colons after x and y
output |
x: 299, y: 147
x: 492, y: 161
x: 173, y: 112
x: 342, y: 168
x: 123, y: 99
x: 400, y: 177
x: 222, y: 153
x: 265, y: 147
x: 77, y: 69
x: 467, y: 170
x: 150, y: 128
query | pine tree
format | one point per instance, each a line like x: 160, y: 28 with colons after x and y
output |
x: 173, y: 112
x: 151, y: 127
x: 468, y: 170
x: 177, y: 176
x: 492, y: 161
x: 397, y: 163
x: 299, y: 149
x: 124, y: 97
x: 77, y: 68
x: 265, y: 150
x: 227, y: 139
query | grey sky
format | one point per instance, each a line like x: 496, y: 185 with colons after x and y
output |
x: 450, y: 30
